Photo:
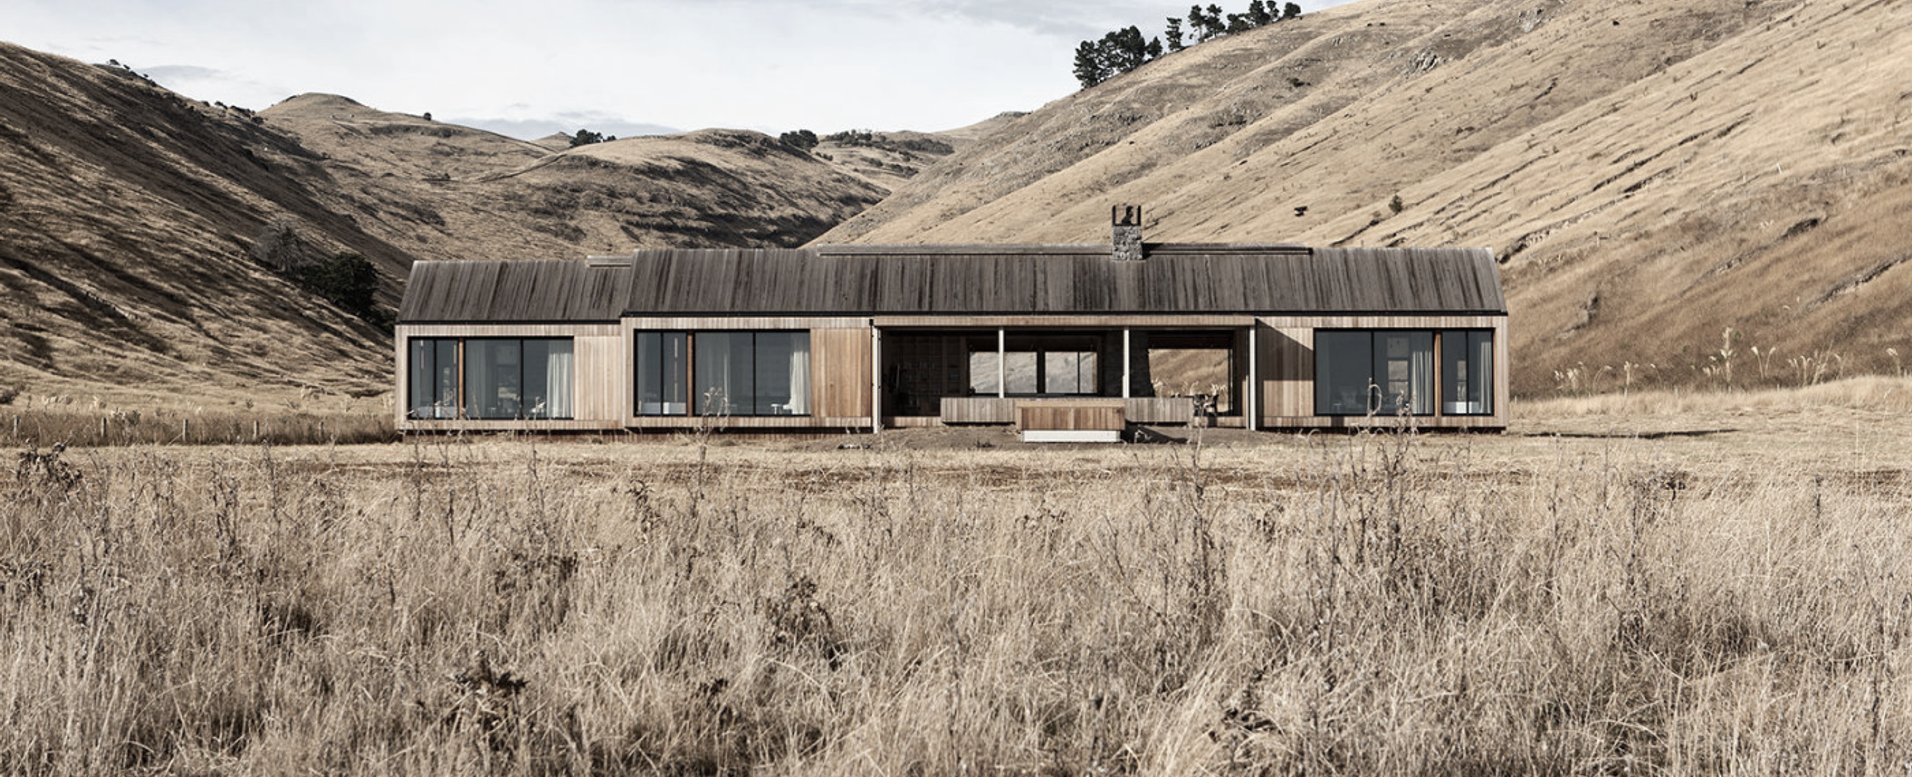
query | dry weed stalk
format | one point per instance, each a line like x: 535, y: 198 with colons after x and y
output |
x: 1376, y: 603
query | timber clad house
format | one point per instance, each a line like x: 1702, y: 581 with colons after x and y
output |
x: 1067, y: 342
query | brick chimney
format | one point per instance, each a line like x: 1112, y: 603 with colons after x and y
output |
x: 1125, y: 226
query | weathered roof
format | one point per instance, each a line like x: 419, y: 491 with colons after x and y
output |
x: 872, y: 280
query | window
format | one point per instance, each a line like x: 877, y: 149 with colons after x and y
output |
x: 1467, y: 369
x: 663, y: 369
x: 1068, y: 372
x: 1036, y: 364
x: 1358, y: 372
x: 434, y: 378
x: 985, y: 372
x: 503, y: 378
x: 1344, y: 366
x: 1020, y: 375
x: 547, y: 379
x: 727, y: 373
x: 1404, y: 372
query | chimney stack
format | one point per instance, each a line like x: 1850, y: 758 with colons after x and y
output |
x: 1125, y: 225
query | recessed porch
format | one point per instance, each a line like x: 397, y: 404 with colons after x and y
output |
x: 1148, y: 375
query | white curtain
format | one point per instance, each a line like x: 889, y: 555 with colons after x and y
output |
x: 558, y: 380
x: 481, y: 391
x: 799, y: 375
x: 1484, y: 384
x: 1421, y: 375
x: 714, y: 394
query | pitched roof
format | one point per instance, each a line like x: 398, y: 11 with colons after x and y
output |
x: 874, y: 280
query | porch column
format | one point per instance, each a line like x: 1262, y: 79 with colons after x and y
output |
x: 1253, y: 405
x: 1002, y: 364
x: 876, y: 379
x: 1126, y: 380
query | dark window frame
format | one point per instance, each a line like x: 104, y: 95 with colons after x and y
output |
x: 462, y: 389
x: 431, y: 357
x: 1486, y: 375
x: 1437, y: 380
x: 687, y: 375
x: 693, y: 396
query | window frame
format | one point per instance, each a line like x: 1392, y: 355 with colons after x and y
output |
x: 1375, y: 357
x: 1486, y: 373
x: 693, y: 393
x: 431, y: 354
x: 462, y: 389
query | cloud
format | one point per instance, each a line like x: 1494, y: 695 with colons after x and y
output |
x: 616, y: 66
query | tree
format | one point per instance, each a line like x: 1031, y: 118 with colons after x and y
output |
x: 1089, y: 67
x: 1124, y: 50
x: 802, y: 139
x: 347, y: 280
x: 1174, y: 33
x: 1290, y: 11
x: 1259, y: 14
x: 1204, y: 25
x: 1155, y: 48
x: 586, y: 137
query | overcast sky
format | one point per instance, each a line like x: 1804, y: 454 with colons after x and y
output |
x: 618, y: 66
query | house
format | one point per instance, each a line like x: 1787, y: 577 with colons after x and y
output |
x: 1065, y: 338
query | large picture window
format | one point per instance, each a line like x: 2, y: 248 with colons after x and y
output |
x: 1392, y: 372
x: 1030, y: 369
x: 502, y: 378
x: 1385, y: 372
x: 723, y: 373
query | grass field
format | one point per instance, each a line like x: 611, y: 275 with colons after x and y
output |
x: 1646, y: 584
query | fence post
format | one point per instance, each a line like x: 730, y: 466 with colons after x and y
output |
x: 102, y: 430
x: 182, y: 431
x: 255, y: 430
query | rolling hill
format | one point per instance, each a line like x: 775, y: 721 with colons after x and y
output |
x: 1650, y: 173
x: 130, y: 217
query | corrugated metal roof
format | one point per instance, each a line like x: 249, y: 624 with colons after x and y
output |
x: 872, y: 280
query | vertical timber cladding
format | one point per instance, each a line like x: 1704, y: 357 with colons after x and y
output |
x: 840, y: 372
x: 1287, y: 366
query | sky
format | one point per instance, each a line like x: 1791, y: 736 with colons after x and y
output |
x: 621, y: 67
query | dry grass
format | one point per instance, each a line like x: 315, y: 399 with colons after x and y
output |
x: 1369, y: 604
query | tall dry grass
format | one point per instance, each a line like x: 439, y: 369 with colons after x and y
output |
x: 95, y: 428
x: 1370, y: 604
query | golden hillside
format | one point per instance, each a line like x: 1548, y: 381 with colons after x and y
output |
x: 1650, y: 173
x: 447, y: 191
x: 126, y: 218
x: 129, y: 217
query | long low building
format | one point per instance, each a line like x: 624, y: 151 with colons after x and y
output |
x: 867, y: 337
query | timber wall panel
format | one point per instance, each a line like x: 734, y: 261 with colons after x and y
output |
x: 840, y: 372
x: 602, y: 381
x: 1286, y: 363
x: 1072, y: 415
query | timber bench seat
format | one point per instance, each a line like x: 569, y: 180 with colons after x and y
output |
x: 1071, y: 420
